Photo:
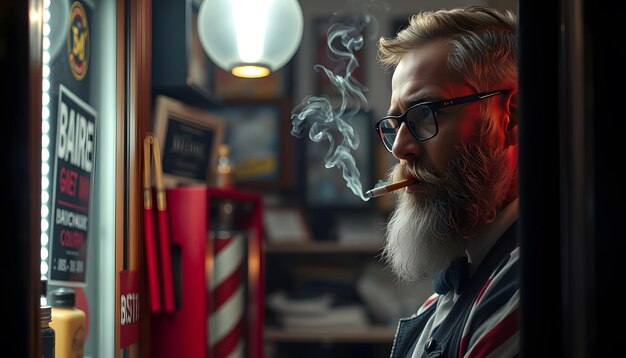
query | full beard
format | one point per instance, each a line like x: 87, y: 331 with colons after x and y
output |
x: 428, y: 229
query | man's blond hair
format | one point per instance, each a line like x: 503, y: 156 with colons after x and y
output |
x: 483, y: 43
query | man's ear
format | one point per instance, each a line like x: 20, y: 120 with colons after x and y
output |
x: 512, y: 116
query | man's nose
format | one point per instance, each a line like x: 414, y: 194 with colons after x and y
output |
x: 405, y: 146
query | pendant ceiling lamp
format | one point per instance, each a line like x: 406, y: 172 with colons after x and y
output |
x: 250, y: 38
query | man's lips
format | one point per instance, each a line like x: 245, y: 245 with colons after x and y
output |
x: 416, y: 185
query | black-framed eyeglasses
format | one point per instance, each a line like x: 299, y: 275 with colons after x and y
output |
x: 421, y: 118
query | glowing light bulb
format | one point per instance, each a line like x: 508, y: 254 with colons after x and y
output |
x: 250, y: 38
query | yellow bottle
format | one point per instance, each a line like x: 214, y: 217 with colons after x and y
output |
x: 68, y: 323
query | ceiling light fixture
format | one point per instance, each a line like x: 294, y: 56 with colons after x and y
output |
x: 250, y: 38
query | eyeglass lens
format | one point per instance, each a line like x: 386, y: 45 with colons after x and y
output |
x: 419, y: 119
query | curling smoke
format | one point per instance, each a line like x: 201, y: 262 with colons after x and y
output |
x: 333, y: 124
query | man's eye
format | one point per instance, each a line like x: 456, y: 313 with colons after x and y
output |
x: 419, y: 113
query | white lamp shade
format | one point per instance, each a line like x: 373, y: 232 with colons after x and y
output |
x: 263, y: 33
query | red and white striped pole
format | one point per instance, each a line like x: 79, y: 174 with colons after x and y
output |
x: 228, y: 295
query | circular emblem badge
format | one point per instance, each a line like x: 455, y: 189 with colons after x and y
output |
x: 78, y: 41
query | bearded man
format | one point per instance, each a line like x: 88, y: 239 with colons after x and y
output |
x: 452, y: 124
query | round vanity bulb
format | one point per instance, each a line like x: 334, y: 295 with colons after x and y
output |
x: 250, y: 38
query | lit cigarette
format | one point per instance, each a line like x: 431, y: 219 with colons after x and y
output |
x: 385, y: 189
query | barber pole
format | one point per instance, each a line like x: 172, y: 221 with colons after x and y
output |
x: 227, y: 296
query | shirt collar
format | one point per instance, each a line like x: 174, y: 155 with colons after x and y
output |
x: 479, y: 246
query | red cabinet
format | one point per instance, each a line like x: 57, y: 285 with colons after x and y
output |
x: 218, y: 270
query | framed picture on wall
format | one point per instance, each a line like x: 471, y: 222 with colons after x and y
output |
x: 189, y: 139
x: 257, y: 133
x: 326, y: 187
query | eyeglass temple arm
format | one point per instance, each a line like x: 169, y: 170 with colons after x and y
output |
x: 471, y: 98
x: 491, y: 94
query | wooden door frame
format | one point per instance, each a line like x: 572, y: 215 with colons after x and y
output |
x: 134, y: 108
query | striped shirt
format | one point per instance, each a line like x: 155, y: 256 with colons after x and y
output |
x: 491, y: 329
